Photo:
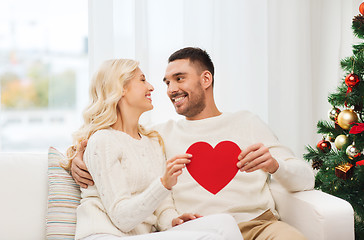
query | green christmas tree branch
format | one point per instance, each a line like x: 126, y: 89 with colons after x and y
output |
x: 331, y: 176
x: 324, y: 127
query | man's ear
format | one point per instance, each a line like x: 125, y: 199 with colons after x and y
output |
x: 206, y: 79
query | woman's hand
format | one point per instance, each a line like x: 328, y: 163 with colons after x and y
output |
x: 174, y: 169
x: 184, y: 218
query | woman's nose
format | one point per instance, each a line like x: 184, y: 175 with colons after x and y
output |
x: 151, y: 88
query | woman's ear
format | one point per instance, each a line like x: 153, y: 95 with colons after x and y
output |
x: 123, y: 92
x: 206, y: 79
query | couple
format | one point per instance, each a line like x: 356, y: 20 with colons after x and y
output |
x: 136, y: 191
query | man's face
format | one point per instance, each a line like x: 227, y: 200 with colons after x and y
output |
x: 184, y: 88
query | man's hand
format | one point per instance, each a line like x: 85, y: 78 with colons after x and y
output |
x: 78, y: 168
x: 255, y: 157
x: 174, y: 169
x: 184, y: 218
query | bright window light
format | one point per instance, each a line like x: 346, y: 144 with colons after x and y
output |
x: 43, y: 73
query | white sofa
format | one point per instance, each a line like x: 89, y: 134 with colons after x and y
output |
x: 24, y: 191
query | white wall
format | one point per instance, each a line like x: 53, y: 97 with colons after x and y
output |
x: 277, y: 58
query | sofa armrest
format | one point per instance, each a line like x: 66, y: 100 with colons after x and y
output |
x: 24, y: 192
x: 318, y: 215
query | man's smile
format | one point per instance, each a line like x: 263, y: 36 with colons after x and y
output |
x: 178, y: 100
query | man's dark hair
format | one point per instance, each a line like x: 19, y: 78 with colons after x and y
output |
x: 196, y: 56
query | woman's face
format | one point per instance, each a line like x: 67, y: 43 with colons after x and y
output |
x: 137, y: 92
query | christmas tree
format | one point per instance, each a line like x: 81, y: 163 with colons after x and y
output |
x: 339, y: 156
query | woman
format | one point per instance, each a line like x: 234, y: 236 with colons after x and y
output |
x: 131, y: 195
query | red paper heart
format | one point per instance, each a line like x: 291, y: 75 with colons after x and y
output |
x: 213, y: 168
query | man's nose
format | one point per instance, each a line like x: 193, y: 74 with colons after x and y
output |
x: 172, y: 88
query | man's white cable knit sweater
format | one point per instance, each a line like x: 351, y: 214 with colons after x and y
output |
x: 248, y: 194
x: 127, y: 192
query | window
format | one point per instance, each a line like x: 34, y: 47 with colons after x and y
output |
x: 43, y: 73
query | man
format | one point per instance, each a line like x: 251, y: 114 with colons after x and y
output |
x: 189, y: 78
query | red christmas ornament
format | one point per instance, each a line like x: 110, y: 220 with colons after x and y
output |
x: 324, y: 146
x: 351, y: 80
x: 361, y: 8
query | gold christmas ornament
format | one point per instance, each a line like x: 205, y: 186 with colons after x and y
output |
x: 346, y: 118
x: 341, y: 141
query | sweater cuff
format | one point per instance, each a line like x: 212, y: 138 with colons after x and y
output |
x: 165, y: 219
x: 159, y: 192
x: 295, y: 175
x: 280, y: 173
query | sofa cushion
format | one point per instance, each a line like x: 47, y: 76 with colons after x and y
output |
x: 63, y: 199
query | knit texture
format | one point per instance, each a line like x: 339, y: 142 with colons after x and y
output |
x: 248, y: 194
x: 127, y: 189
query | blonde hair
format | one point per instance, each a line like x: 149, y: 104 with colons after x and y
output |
x: 105, y: 92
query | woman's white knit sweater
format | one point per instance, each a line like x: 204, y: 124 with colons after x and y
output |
x: 128, y: 196
x: 248, y: 194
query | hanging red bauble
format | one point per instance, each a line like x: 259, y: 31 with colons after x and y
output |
x: 351, y: 80
x: 324, y: 146
x: 361, y: 8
